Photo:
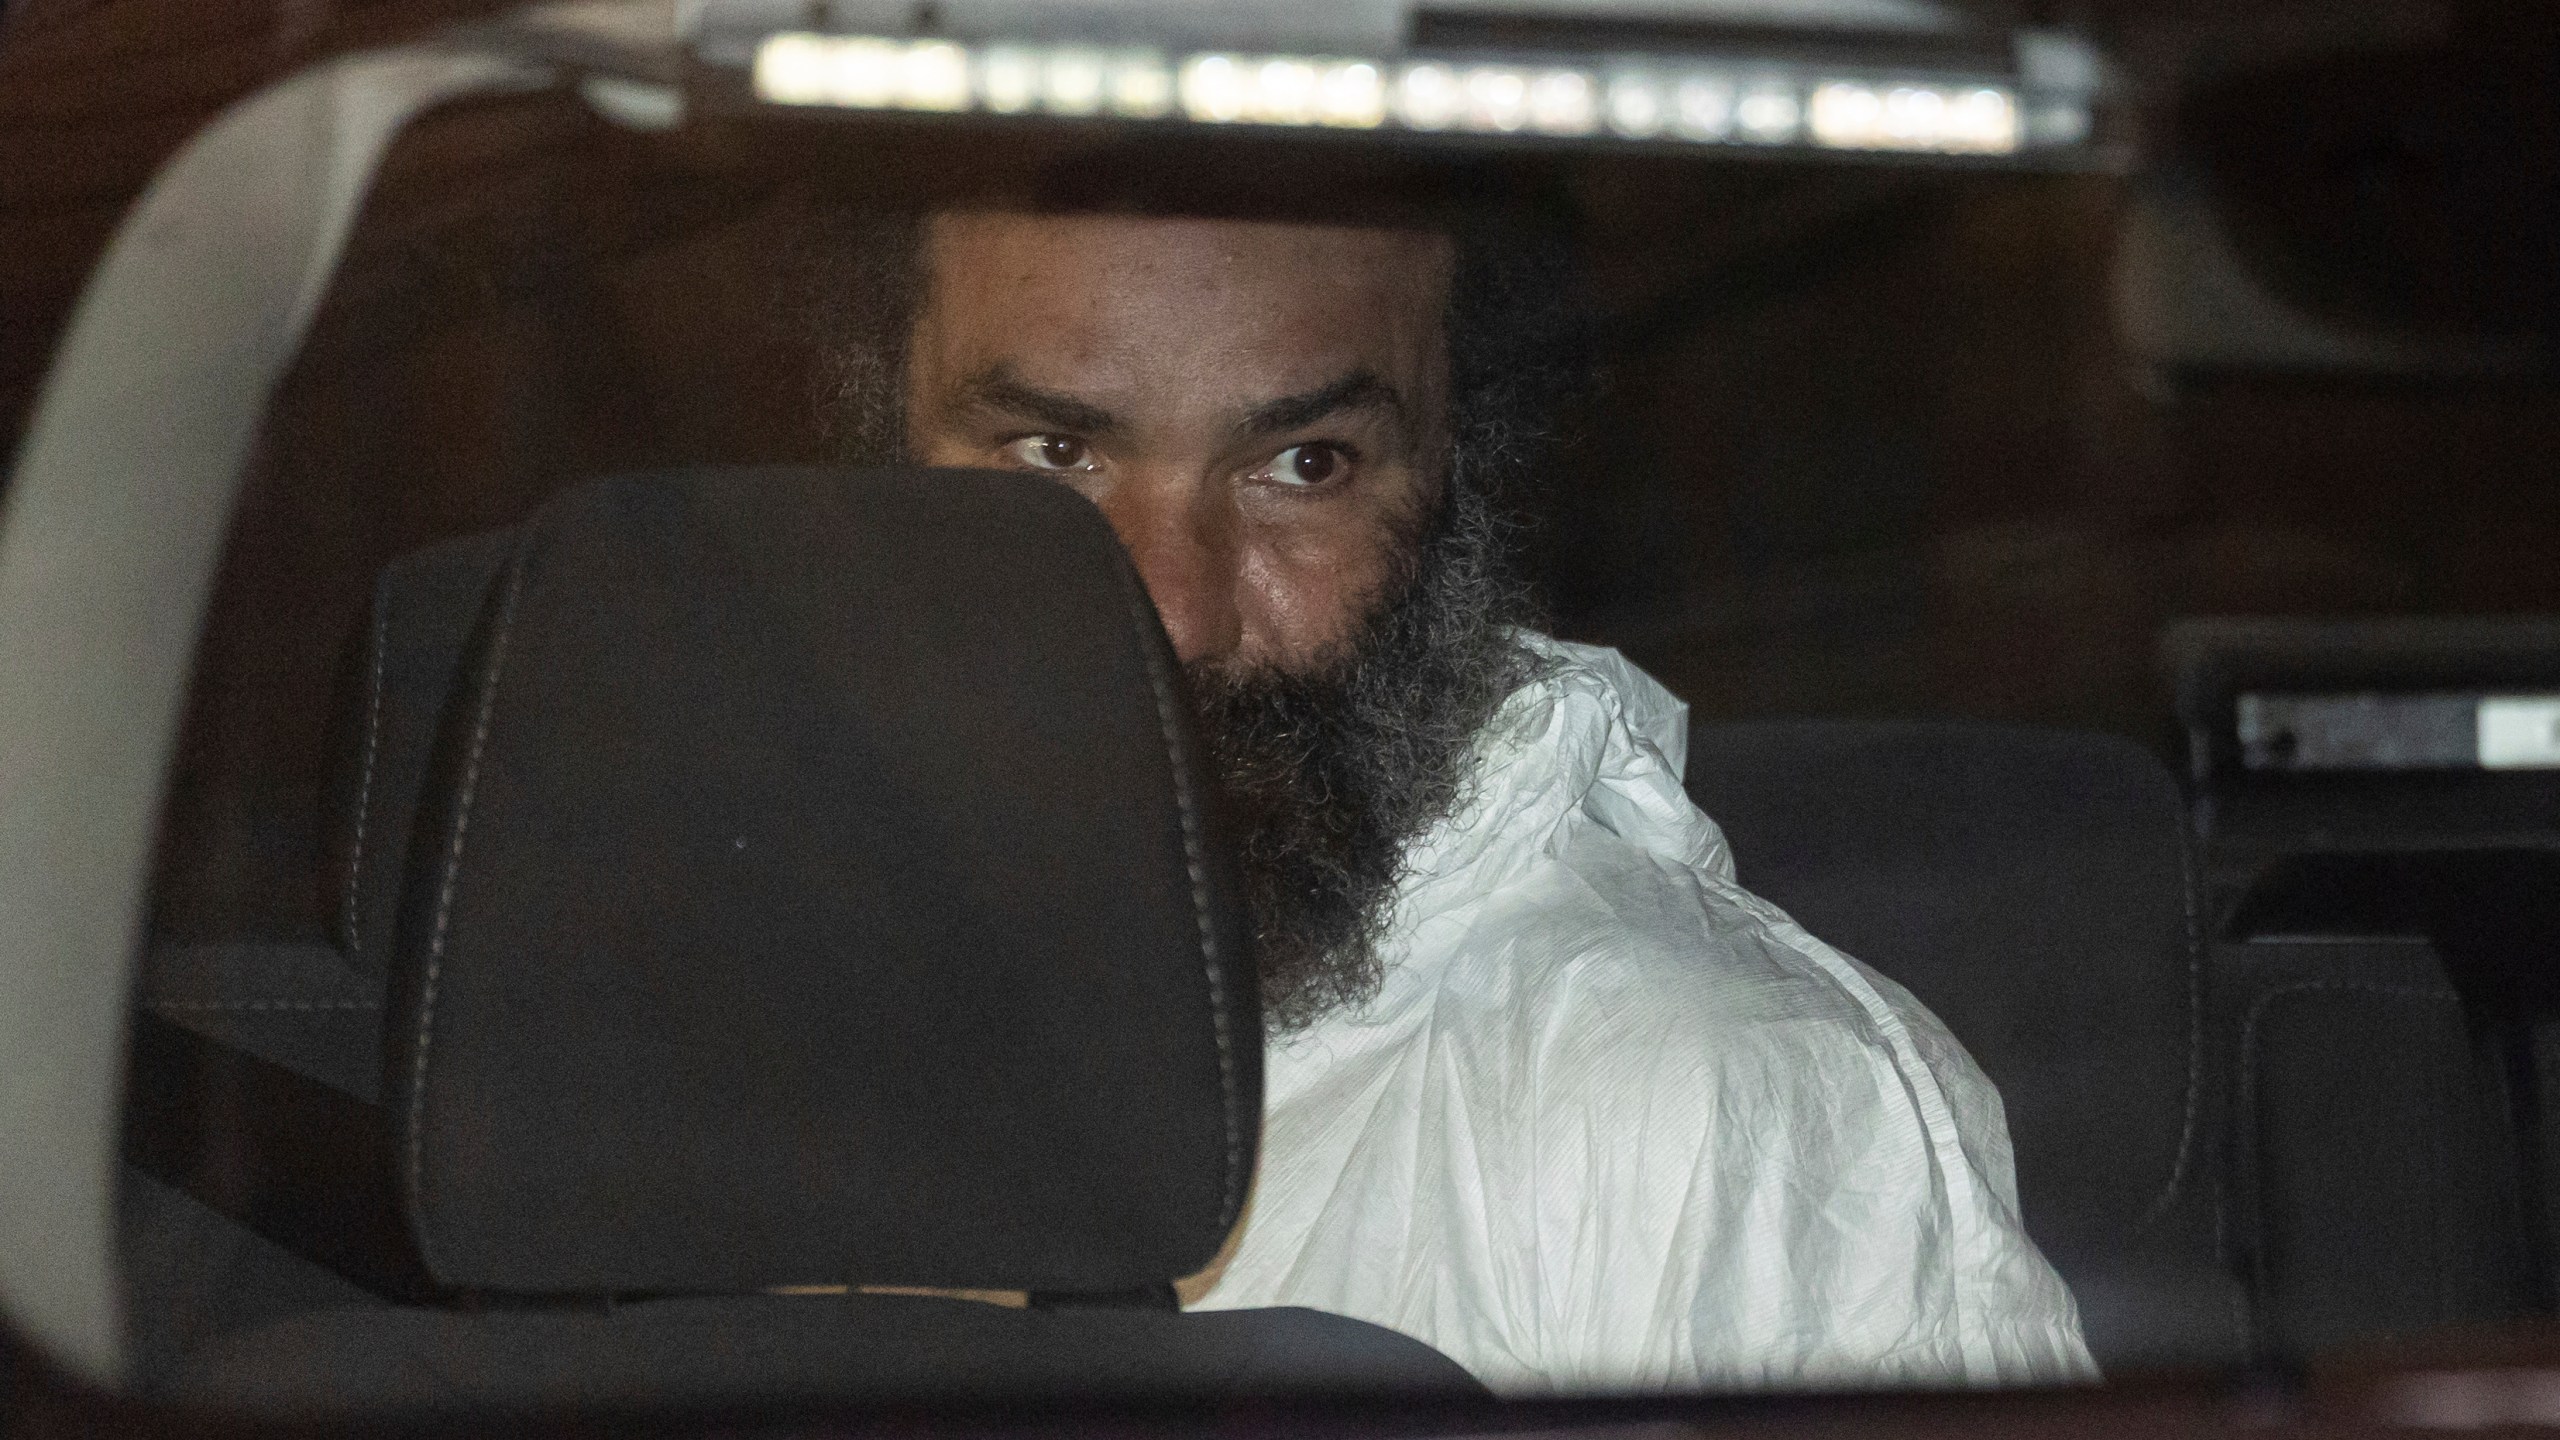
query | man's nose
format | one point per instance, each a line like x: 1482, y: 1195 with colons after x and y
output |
x: 1183, y: 541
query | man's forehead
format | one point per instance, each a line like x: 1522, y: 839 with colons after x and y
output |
x: 1416, y: 244
x: 1236, y: 307
x: 1122, y: 257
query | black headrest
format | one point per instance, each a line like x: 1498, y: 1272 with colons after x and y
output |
x: 812, y: 885
x: 392, y: 693
x: 2031, y: 888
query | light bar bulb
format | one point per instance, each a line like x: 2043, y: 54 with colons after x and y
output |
x: 1702, y: 108
x: 1497, y: 98
x: 1428, y: 97
x: 1563, y: 102
x: 1856, y: 115
x: 792, y: 70
x: 1140, y: 85
x: 935, y: 76
x: 1284, y: 91
x: 1009, y: 79
x: 1353, y: 95
x: 1848, y: 116
x: 1768, y: 112
x: 1986, y: 121
x: 1214, y: 88
x: 1635, y: 105
x: 1071, y: 83
x: 864, y: 73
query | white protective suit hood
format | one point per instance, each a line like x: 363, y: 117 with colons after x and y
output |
x: 1614, y: 1124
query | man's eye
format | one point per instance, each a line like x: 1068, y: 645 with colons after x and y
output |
x: 1309, y: 465
x: 1052, y: 452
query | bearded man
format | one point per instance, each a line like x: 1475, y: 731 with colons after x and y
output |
x: 1546, y: 1088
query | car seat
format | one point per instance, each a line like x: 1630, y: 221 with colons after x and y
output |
x: 2385, y: 904
x: 2032, y: 888
x: 810, y: 890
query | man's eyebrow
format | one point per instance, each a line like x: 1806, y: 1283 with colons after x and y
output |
x: 998, y: 388
x: 1359, y: 390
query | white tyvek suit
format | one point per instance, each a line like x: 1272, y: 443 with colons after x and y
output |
x: 1617, y: 1124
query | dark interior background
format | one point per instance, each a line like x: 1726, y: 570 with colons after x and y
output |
x: 1872, y: 444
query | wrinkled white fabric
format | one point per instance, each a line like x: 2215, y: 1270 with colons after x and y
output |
x: 1615, y: 1124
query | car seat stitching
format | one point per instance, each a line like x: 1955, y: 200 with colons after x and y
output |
x: 444, y: 900
x: 380, y: 643
x: 2185, y: 1158
x: 2223, y: 1186
x: 1185, y: 803
x: 2246, y: 1140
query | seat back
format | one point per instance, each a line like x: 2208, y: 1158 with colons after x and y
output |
x: 809, y: 888
x: 2032, y: 888
x: 402, y: 667
x: 813, y: 886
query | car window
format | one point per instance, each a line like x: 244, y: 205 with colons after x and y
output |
x: 1865, y: 701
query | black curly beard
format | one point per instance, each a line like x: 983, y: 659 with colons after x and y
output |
x: 1330, y: 775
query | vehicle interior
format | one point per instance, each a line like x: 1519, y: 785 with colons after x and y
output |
x: 2087, y: 469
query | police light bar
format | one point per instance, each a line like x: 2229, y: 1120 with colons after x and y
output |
x: 1736, y: 101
